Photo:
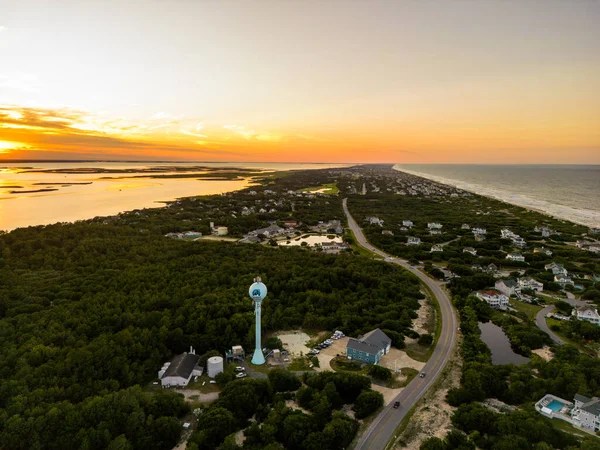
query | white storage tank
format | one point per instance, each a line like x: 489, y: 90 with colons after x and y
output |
x: 214, y: 366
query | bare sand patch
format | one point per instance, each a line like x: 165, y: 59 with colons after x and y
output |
x: 544, y: 353
x: 388, y: 394
x: 295, y: 342
x: 396, y: 359
x: 239, y: 437
x: 293, y: 405
x: 424, y: 312
x: 347, y: 409
x: 432, y: 416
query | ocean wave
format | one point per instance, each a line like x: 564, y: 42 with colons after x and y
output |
x: 581, y: 216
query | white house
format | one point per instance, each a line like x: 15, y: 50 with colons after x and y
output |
x: 530, y: 283
x: 437, y: 248
x: 507, y: 287
x: 587, y: 312
x: 465, y: 226
x: 388, y: 232
x: 479, y: 231
x: 181, y: 370
x: 470, y: 250
x: 557, y: 269
x: 413, y: 241
x: 494, y: 298
x: 543, y: 250
x: 434, y: 226
x: 563, y: 280
x: 407, y: 223
x: 515, y: 257
x: 587, y: 412
x: 375, y: 221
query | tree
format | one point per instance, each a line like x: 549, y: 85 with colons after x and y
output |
x: 283, y: 380
x: 379, y: 372
x: 426, y: 339
x: 367, y: 403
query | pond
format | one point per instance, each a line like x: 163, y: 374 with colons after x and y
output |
x: 312, y: 240
x: 502, y: 353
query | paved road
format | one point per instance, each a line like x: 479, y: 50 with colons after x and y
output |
x: 540, y: 317
x: 382, y: 428
x: 540, y: 320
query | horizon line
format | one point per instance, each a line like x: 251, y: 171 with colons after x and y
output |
x: 2, y: 161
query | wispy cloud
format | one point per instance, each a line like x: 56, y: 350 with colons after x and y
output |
x: 249, y: 134
x: 2, y: 28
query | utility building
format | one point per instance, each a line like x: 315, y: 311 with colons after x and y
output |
x: 181, y: 370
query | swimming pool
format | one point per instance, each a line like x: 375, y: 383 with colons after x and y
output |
x: 555, y: 405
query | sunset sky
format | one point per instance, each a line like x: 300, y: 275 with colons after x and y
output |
x: 406, y: 81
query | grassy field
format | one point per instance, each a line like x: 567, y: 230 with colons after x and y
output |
x: 330, y: 189
x: 527, y: 308
x: 208, y: 387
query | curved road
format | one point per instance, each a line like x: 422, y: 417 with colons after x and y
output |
x: 540, y: 317
x: 540, y: 320
x: 383, y: 427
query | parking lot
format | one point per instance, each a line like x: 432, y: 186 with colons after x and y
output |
x: 338, y: 347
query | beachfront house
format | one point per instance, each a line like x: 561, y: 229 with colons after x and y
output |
x: 507, y: 287
x: 530, y: 283
x: 587, y: 312
x: 557, y: 269
x: 563, y: 280
x: 491, y: 268
x: 583, y: 412
x: 369, y: 348
x: 494, y: 298
x: 470, y: 250
x: 515, y: 257
x: 375, y: 221
x: 413, y: 241
x: 587, y: 412
x: 543, y: 250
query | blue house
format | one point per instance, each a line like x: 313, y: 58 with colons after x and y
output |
x: 369, y: 348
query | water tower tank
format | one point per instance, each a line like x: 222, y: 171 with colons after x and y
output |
x: 214, y: 366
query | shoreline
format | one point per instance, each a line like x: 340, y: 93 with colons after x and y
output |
x: 577, y: 216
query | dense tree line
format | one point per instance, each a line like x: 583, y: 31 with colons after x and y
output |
x: 318, y: 426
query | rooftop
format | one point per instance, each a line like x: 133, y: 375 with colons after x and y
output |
x: 182, y: 365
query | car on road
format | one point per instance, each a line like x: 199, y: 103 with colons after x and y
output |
x: 239, y: 369
x: 240, y: 375
x: 396, y: 405
x: 422, y: 375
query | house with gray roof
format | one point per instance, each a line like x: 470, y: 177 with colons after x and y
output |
x: 369, y: 348
x: 586, y: 412
x: 507, y: 287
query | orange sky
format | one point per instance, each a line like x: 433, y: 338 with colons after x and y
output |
x: 336, y: 81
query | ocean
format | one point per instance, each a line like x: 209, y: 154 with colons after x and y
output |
x: 569, y: 192
x: 67, y: 197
